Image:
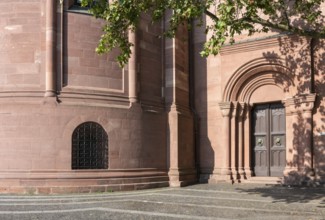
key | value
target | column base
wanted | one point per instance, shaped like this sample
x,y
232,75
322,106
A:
x,y
220,179
248,173
292,176
309,177
241,174
50,93
182,177
221,175
309,172
50,100
235,175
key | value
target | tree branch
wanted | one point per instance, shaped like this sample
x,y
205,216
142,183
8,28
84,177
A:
x,y
285,28
284,10
211,15
287,19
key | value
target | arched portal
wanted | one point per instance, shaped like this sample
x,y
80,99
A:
x,y
260,82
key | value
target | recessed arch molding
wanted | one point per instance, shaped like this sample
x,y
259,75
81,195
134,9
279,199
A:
x,y
257,73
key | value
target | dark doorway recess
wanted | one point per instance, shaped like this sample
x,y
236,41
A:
x,y
268,130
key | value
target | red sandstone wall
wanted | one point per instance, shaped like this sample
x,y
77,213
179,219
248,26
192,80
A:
x,y
150,62
36,134
22,45
85,67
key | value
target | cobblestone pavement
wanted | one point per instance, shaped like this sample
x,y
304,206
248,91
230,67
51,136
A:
x,y
202,201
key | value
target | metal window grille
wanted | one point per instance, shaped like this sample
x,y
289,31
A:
x,y
89,147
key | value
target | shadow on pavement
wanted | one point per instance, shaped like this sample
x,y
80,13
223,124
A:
x,y
289,194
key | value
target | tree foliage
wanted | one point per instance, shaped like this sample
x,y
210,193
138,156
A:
x,y
228,19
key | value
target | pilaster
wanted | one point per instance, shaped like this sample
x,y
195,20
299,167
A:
x,y
223,173
307,142
299,154
181,144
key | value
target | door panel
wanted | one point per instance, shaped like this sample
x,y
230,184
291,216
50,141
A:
x,y
277,144
268,139
260,140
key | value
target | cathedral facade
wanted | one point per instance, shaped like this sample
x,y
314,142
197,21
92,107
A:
x,y
74,121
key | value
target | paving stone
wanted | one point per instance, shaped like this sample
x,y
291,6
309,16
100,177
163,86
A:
x,y
202,201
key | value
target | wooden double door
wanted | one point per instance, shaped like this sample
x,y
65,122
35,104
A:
x,y
268,129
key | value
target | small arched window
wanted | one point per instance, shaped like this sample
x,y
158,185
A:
x,y
89,147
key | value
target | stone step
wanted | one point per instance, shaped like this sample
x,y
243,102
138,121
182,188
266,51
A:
x,y
83,185
52,189
102,188
265,180
33,182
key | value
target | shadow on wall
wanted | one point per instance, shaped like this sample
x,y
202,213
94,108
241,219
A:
x,y
319,111
199,102
305,60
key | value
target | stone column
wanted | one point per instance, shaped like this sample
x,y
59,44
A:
x,y
50,41
233,138
133,93
247,141
241,146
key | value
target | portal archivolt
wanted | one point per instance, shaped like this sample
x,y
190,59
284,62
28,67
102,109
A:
x,y
256,75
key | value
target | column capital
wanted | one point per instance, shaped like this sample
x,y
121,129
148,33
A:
x,y
225,108
235,109
241,109
307,106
